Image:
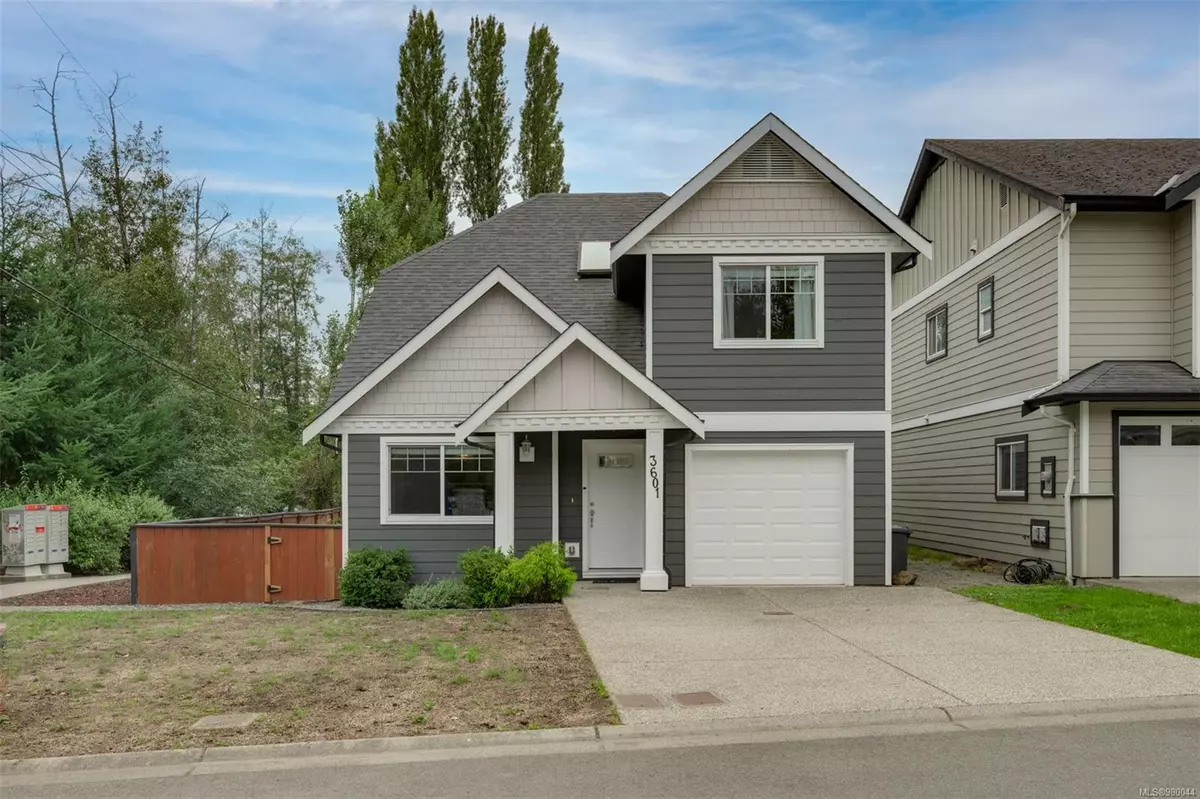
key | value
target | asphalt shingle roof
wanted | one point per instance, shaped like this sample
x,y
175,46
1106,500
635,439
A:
x,y
537,242
1123,380
1083,167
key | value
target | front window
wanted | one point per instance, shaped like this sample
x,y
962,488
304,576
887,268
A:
x,y
769,304
1012,468
985,303
936,333
441,481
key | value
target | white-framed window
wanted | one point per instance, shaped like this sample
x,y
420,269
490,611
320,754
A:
x,y
936,333
763,302
985,309
424,482
1012,468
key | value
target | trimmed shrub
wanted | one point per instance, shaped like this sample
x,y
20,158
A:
x,y
540,575
99,521
442,595
376,578
481,570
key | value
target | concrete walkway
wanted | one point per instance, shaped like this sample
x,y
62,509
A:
x,y
779,652
1185,589
10,590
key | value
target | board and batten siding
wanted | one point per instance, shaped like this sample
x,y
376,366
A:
x,y
959,208
1182,348
944,483
434,549
1022,353
464,364
869,493
1122,285
847,374
577,380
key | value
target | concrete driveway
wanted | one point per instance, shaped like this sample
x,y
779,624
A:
x,y
767,652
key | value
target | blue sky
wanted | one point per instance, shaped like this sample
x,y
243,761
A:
x,y
275,102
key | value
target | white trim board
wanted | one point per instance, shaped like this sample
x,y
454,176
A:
x,y
721,261
497,277
533,421
577,333
848,449
791,244
798,422
773,124
1063,279
1195,198
974,409
978,260
554,486
648,324
393,425
345,497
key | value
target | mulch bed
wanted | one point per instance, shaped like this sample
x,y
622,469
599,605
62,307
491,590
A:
x,y
111,593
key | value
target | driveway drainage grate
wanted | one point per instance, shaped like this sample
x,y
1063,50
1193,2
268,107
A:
x,y
697,698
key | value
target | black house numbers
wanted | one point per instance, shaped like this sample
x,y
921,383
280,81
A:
x,y
654,474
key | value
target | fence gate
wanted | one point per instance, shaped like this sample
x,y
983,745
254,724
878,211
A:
x,y
303,562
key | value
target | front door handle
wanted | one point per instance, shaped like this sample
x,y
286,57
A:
x,y
591,515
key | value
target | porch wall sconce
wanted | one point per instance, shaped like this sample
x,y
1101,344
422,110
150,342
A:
x,y
526,454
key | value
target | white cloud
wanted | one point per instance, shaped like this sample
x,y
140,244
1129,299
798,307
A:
x,y
243,184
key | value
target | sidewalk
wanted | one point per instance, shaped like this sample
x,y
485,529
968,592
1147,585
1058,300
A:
x,y
12,590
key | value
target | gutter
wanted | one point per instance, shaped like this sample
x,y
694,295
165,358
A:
x,y
1069,530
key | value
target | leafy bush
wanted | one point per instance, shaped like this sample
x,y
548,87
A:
x,y
541,575
375,578
99,521
481,570
442,595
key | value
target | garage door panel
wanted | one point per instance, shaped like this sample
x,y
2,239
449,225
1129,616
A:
x,y
1159,501
766,517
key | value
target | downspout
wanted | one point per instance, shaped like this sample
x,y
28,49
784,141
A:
x,y
1069,532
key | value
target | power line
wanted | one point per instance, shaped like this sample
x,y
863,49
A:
x,y
32,173
150,356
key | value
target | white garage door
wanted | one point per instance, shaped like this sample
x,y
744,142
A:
x,y
773,515
1160,497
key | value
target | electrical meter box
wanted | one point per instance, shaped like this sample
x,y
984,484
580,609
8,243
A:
x,y
23,534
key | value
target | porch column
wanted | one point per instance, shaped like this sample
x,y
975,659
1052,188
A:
x,y
503,524
653,576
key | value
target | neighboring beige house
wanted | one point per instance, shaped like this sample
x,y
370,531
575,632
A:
x,y
1044,376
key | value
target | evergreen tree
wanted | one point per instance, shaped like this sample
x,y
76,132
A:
x,y
540,149
420,140
485,127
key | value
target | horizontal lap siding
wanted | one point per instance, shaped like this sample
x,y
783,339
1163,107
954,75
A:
x,y
1021,355
846,374
1122,282
943,487
1182,349
869,510
434,548
532,489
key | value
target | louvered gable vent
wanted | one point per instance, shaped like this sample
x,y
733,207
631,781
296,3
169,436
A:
x,y
770,159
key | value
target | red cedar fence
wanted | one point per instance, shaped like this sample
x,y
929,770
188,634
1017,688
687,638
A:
x,y
257,559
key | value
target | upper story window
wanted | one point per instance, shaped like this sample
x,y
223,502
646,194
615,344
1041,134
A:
x,y
985,309
437,483
936,333
773,302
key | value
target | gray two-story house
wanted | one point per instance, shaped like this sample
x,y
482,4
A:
x,y
1047,390
687,390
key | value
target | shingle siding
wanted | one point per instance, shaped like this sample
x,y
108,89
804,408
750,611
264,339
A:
x,y
846,374
869,507
434,549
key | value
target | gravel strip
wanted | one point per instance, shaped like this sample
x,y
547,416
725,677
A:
x,y
114,592
937,574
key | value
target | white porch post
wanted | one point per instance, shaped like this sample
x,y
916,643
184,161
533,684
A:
x,y
504,524
653,576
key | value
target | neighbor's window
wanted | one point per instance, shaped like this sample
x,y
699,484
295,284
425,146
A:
x,y
936,333
441,481
768,305
1012,468
986,309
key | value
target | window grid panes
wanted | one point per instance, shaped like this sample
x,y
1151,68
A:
x,y
986,311
769,303
442,481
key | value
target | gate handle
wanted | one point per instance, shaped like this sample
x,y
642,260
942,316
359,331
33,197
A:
x,y
271,539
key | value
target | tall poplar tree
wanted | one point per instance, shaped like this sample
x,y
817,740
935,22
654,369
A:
x,y
420,140
540,148
485,127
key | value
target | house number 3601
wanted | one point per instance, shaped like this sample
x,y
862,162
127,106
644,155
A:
x,y
654,474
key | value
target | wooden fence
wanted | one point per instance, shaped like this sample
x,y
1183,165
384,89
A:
x,y
198,562
324,516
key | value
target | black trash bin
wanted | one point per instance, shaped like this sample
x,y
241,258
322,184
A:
x,y
899,548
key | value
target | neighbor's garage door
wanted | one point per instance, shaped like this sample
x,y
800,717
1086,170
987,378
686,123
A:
x,y
768,516
1159,533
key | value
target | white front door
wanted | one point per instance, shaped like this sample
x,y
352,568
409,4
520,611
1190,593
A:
x,y
614,505
1160,497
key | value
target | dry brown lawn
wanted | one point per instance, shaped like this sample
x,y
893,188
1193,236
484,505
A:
x,y
116,681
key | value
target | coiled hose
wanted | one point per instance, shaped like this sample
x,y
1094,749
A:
x,y
1029,571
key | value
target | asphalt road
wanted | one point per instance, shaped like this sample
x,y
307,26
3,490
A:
x,y
1092,760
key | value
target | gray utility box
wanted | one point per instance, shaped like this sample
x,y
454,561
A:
x,y
33,542
56,540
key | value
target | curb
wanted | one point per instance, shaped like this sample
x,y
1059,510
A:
x,y
598,739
